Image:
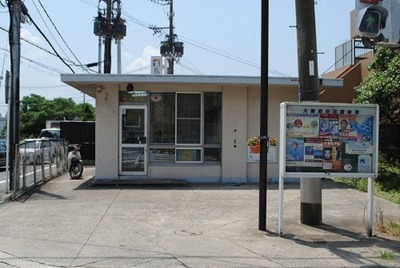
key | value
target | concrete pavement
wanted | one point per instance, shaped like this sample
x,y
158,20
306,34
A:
x,y
70,223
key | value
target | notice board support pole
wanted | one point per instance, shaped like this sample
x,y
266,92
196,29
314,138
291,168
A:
x,y
370,220
280,205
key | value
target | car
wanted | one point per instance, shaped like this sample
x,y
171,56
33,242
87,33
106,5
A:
x,y
37,150
3,153
51,133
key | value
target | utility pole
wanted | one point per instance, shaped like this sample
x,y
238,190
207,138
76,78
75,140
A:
x,y
170,49
263,116
108,39
16,7
310,188
110,25
171,39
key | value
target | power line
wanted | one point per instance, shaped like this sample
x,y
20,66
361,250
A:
x,y
48,28
52,69
48,41
60,35
203,46
47,51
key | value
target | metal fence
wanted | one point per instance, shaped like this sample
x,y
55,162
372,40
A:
x,y
347,53
37,161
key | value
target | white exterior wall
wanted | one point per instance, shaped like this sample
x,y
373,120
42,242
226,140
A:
x,y
107,136
234,134
194,173
275,97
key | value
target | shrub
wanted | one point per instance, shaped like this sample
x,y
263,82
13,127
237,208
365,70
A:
x,y
389,174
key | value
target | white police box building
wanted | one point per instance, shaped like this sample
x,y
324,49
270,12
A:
x,y
191,128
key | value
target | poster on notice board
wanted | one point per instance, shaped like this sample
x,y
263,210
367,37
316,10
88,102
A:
x,y
329,140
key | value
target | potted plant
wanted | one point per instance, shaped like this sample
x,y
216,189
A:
x,y
273,141
254,145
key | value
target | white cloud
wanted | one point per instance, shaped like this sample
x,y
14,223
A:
x,y
28,50
143,61
26,34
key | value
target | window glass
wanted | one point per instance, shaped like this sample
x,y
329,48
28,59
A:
x,y
162,118
133,97
188,155
132,159
212,127
189,105
133,126
212,154
185,119
188,128
162,154
188,131
212,118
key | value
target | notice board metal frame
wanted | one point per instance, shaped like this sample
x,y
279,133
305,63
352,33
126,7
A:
x,y
328,140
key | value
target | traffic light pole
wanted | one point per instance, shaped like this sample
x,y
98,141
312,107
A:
x,y
310,188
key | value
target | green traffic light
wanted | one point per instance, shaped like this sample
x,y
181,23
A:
x,y
370,22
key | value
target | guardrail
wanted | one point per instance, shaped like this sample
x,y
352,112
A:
x,y
38,161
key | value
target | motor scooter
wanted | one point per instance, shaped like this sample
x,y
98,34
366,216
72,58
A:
x,y
75,165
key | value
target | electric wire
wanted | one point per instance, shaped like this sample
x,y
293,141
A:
x,y
88,3
37,46
42,65
2,68
48,41
48,28
160,32
62,38
191,66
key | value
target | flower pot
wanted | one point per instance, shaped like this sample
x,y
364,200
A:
x,y
255,149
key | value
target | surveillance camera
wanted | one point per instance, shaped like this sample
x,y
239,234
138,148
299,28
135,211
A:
x,y
129,87
99,89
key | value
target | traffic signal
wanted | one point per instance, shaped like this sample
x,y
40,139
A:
x,y
370,18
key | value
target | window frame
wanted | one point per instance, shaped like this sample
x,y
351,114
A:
x,y
201,119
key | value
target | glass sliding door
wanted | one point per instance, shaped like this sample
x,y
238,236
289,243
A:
x,y
133,140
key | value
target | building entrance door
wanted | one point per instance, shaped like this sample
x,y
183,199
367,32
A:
x,y
133,140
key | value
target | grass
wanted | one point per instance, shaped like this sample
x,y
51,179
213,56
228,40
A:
x,y
362,184
382,226
392,195
387,255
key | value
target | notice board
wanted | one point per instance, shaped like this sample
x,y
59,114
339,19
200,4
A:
x,y
328,140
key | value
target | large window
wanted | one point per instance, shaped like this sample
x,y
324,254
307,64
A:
x,y
188,118
162,118
185,127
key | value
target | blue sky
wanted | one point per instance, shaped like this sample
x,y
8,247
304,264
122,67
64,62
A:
x,y
221,37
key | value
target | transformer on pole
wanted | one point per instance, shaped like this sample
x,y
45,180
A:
x,y
171,49
109,25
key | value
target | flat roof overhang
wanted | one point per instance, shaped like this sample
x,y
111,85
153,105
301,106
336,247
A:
x,y
88,83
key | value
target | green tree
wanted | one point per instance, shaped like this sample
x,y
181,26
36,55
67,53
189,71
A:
x,y
382,86
35,110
